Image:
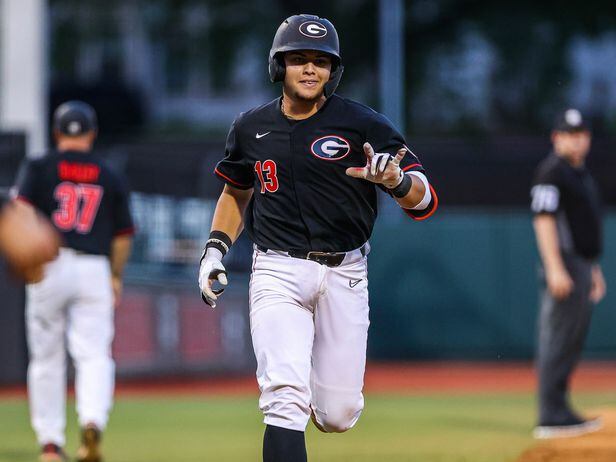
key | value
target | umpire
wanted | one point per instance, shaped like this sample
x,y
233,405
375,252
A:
x,y
568,228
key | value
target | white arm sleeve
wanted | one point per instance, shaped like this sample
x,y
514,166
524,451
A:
x,y
425,201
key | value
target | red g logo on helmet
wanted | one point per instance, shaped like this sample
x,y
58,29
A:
x,y
330,147
313,29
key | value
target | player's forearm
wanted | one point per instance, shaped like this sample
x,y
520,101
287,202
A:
x,y
547,241
229,213
415,195
120,251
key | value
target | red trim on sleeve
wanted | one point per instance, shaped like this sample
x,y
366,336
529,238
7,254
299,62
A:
x,y
24,199
408,167
410,212
225,177
125,232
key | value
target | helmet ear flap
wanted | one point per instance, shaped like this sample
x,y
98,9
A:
x,y
334,80
276,68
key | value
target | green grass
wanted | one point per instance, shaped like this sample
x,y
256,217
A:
x,y
434,428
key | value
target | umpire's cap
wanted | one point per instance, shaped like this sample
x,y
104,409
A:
x,y
74,118
306,32
571,120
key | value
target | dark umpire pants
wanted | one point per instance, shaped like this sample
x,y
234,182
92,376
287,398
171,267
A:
x,y
563,325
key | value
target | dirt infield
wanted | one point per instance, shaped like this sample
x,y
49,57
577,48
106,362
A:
x,y
471,377
594,447
432,377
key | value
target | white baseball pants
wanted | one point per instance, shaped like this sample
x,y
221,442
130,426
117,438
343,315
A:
x,y
71,308
309,326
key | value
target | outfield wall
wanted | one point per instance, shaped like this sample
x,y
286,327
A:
x,y
464,285
459,285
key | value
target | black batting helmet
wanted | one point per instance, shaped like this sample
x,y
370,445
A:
x,y
74,118
306,32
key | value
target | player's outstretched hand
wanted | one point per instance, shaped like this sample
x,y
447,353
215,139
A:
x,y
211,270
381,167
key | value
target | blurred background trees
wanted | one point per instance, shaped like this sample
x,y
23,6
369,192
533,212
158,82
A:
x,y
472,66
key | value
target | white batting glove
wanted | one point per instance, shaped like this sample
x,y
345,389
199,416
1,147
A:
x,y
211,270
381,167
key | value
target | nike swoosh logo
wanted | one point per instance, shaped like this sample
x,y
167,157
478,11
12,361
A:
x,y
354,282
261,135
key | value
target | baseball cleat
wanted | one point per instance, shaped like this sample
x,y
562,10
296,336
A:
x,y
544,432
51,452
89,451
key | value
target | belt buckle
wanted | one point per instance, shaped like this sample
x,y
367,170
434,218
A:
x,y
317,256
325,258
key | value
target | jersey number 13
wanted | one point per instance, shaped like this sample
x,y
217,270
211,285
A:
x,y
77,206
268,176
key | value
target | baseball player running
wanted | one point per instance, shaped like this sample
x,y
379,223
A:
x,y
74,303
300,174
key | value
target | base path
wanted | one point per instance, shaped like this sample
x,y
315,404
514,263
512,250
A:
x,y
599,446
402,378
477,377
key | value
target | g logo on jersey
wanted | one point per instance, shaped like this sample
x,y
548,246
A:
x,y
313,29
330,147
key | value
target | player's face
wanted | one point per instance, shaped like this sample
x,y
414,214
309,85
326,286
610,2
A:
x,y
306,74
572,145
75,143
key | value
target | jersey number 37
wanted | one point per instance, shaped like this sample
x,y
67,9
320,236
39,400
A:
x,y
77,206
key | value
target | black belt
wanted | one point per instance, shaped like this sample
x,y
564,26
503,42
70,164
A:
x,y
331,259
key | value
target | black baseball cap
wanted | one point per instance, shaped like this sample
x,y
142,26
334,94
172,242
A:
x,y
74,118
571,120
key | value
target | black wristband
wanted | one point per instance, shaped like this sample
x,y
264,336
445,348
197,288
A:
x,y
220,241
403,188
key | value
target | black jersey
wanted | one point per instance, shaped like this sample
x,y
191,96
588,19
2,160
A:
x,y
84,199
303,199
572,196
